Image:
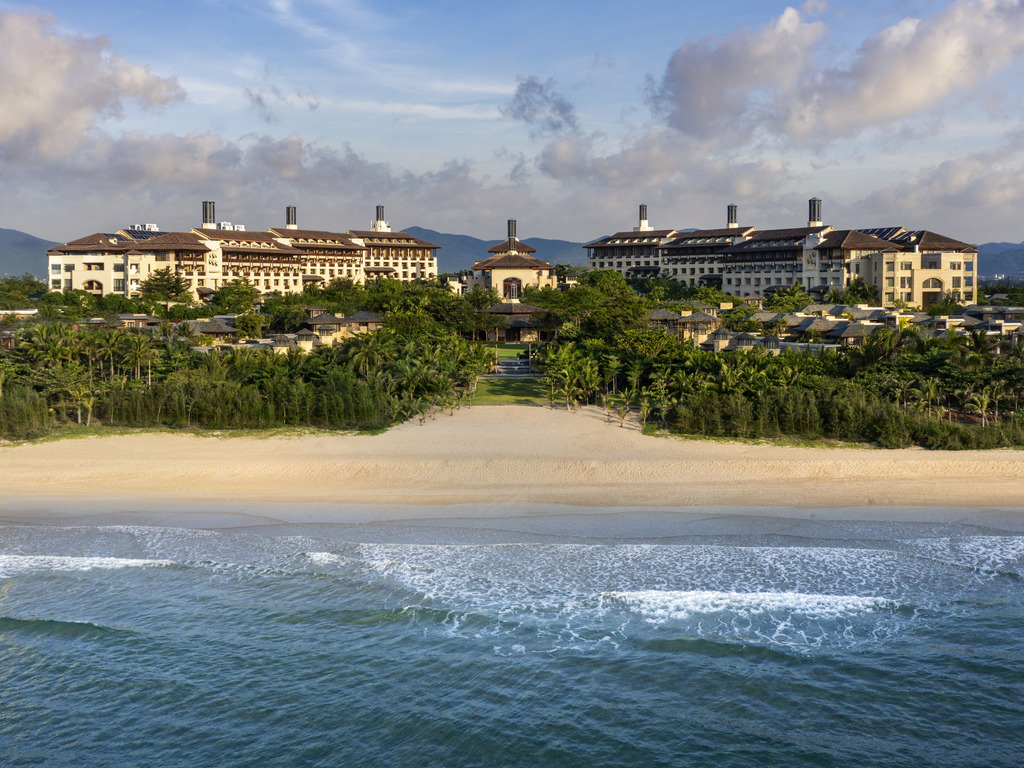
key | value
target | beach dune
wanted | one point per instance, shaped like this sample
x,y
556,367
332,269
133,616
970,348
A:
x,y
499,455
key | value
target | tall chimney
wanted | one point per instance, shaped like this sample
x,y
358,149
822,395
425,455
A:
x,y
732,218
511,232
814,212
290,221
209,219
380,225
643,226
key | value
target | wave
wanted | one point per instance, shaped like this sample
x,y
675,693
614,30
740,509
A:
x,y
60,628
15,565
657,607
985,555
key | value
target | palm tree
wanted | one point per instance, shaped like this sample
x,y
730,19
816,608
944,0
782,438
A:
x,y
980,403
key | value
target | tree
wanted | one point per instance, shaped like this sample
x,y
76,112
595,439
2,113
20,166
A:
x,y
238,296
250,325
165,284
789,299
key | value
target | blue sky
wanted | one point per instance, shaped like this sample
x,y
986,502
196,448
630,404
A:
x,y
457,115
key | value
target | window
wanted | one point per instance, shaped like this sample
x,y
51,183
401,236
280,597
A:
x,y
906,282
119,267
55,268
69,267
511,288
890,282
956,281
968,282
890,297
968,266
67,285
55,284
890,266
119,284
906,266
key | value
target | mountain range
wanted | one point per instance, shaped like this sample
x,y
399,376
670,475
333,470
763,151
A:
x,y
460,252
21,253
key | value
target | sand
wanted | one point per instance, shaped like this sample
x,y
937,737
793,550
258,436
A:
x,y
484,459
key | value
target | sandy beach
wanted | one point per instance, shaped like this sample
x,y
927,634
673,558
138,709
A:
x,y
489,457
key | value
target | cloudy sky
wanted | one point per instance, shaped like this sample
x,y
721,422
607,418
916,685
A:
x,y
457,115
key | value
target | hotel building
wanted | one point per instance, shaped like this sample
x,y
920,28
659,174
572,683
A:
x,y
214,254
919,268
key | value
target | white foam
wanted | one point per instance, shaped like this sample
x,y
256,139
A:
x,y
986,554
657,607
323,558
13,565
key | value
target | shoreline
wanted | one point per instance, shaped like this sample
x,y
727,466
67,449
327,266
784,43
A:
x,y
488,458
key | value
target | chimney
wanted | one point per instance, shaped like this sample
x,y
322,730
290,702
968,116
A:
x,y
290,221
511,233
380,225
814,212
732,219
643,226
209,219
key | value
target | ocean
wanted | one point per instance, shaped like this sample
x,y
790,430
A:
x,y
405,645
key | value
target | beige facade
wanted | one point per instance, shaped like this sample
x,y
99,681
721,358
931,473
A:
x,y
511,269
213,255
924,271
631,254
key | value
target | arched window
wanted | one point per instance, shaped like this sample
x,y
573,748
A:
x,y
932,284
93,285
512,287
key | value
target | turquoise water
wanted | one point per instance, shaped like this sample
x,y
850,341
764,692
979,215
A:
x,y
128,646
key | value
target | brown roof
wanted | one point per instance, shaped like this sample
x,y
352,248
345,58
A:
x,y
851,239
705,233
94,242
275,249
791,236
394,238
240,236
654,234
512,261
931,241
505,247
175,241
336,239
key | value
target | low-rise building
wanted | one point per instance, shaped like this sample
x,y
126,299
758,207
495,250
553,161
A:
x,y
511,269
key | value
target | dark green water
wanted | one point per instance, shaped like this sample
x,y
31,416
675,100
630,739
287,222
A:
x,y
171,647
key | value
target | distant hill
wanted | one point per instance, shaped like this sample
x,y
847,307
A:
x,y
460,252
1001,259
21,253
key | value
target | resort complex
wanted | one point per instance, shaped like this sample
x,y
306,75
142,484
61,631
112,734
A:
x,y
283,259
917,268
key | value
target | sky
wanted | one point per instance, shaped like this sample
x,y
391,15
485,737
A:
x,y
458,115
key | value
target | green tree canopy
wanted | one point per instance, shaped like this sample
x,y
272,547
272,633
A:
x,y
165,284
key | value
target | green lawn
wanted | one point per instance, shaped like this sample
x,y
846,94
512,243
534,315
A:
x,y
510,392
509,351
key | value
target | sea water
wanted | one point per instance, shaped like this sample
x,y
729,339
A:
x,y
146,646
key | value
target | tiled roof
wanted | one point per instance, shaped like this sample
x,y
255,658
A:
x,y
930,241
512,261
506,247
363,316
392,238
852,239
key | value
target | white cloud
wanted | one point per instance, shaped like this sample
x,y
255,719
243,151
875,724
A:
x,y
770,79
907,69
55,89
713,86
